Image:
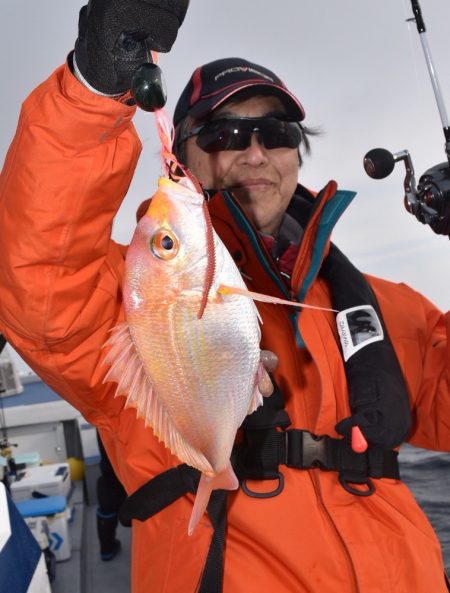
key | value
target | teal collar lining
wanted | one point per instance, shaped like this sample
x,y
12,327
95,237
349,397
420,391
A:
x,y
245,226
328,219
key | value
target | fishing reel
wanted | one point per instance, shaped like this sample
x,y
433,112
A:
x,y
6,447
429,201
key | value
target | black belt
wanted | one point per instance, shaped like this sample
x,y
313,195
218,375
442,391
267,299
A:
x,y
263,451
259,457
166,488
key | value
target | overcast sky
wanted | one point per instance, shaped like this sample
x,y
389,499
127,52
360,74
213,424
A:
x,y
356,65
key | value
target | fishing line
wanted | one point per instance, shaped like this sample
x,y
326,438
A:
x,y
412,45
429,202
430,65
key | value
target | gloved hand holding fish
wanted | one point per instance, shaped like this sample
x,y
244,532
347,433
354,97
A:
x,y
188,356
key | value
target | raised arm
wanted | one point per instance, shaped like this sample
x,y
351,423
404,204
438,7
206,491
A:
x,y
66,173
431,428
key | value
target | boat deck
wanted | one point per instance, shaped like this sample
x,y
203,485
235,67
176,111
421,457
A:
x,y
85,572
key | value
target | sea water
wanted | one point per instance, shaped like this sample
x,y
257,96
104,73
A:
x,y
427,474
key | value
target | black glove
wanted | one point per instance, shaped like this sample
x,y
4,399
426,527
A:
x,y
115,37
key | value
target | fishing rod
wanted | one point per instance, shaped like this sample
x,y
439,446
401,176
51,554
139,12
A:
x,y
429,202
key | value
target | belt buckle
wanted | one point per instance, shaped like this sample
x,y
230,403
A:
x,y
314,450
278,488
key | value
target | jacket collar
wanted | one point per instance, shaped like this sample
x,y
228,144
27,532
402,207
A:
x,y
317,215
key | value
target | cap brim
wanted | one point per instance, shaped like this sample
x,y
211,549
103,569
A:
x,y
208,104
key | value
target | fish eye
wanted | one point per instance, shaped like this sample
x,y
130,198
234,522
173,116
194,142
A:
x,y
164,244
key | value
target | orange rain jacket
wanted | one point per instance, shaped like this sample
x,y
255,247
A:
x,y
65,176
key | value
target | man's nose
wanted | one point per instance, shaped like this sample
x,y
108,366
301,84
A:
x,y
256,153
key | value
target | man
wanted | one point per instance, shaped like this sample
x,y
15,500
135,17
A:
x,y
312,514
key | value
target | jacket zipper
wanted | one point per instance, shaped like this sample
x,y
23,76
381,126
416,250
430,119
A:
x,y
351,566
257,244
277,278
273,273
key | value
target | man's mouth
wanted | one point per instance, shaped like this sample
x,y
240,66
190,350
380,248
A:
x,y
250,183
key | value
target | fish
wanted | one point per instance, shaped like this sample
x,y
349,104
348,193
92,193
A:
x,y
187,357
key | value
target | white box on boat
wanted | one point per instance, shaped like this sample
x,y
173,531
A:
x,y
47,480
47,519
39,528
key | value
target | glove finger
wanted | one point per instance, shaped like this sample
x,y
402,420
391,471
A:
x,y
146,21
265,384
176,7
162,30
269,360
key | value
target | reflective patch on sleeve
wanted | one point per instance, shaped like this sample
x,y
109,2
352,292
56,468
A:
x,y
358,327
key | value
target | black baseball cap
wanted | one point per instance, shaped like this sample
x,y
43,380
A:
x,y
212,84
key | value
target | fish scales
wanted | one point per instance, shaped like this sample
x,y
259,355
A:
x,y
201,374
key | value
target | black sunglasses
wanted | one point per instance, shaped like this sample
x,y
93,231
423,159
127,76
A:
x,y
235,133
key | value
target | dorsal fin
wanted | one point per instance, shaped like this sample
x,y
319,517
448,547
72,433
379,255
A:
x,y
211,260
133,382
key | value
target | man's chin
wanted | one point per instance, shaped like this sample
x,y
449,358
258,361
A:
x,y
252,193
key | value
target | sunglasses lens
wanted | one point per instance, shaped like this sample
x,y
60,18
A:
x,y
223,135
280,134
236,133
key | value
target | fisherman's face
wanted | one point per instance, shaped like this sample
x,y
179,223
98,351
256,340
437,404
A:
x,y
263,180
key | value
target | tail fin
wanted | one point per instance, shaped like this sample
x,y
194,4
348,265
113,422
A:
x,y
226,480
